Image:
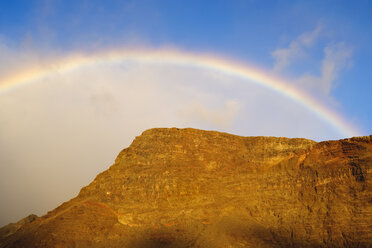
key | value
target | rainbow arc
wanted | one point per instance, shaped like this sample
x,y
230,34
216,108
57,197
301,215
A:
x,y
176,57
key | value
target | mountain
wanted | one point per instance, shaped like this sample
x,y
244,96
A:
x,y
193,188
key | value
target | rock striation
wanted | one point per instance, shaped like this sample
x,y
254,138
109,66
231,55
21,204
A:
x,y
193,188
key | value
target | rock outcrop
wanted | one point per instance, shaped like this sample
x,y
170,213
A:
x,y
11,228
194,188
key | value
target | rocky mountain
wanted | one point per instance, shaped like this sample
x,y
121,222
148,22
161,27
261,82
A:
x,y
193,188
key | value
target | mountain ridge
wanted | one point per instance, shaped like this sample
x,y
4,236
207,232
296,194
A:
x,y
194,188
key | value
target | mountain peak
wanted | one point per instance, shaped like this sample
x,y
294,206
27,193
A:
x,y
192,188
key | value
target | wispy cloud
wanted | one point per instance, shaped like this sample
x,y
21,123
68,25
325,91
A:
x,y
336,57
296,49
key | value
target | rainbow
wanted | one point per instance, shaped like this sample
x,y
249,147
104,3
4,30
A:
x,y
176,57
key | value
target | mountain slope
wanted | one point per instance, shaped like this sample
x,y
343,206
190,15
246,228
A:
x,y
194,188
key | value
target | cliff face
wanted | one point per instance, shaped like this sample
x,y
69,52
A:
x,y
193,188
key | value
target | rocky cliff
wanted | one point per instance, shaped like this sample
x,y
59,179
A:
x,y
194,188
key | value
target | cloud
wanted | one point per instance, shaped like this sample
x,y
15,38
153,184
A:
x,y
15,58
296,49
336,57
215,116
71,126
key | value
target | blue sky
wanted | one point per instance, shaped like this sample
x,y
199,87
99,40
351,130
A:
x,y
50,129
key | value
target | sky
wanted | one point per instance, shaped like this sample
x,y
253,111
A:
x,y
62,127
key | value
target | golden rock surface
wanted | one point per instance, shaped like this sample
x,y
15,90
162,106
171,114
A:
x,y
193,188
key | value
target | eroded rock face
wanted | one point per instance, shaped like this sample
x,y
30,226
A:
x,y
193,188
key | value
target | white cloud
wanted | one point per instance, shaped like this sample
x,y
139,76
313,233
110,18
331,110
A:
x,y
336,57
223,117
71,126
296,49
